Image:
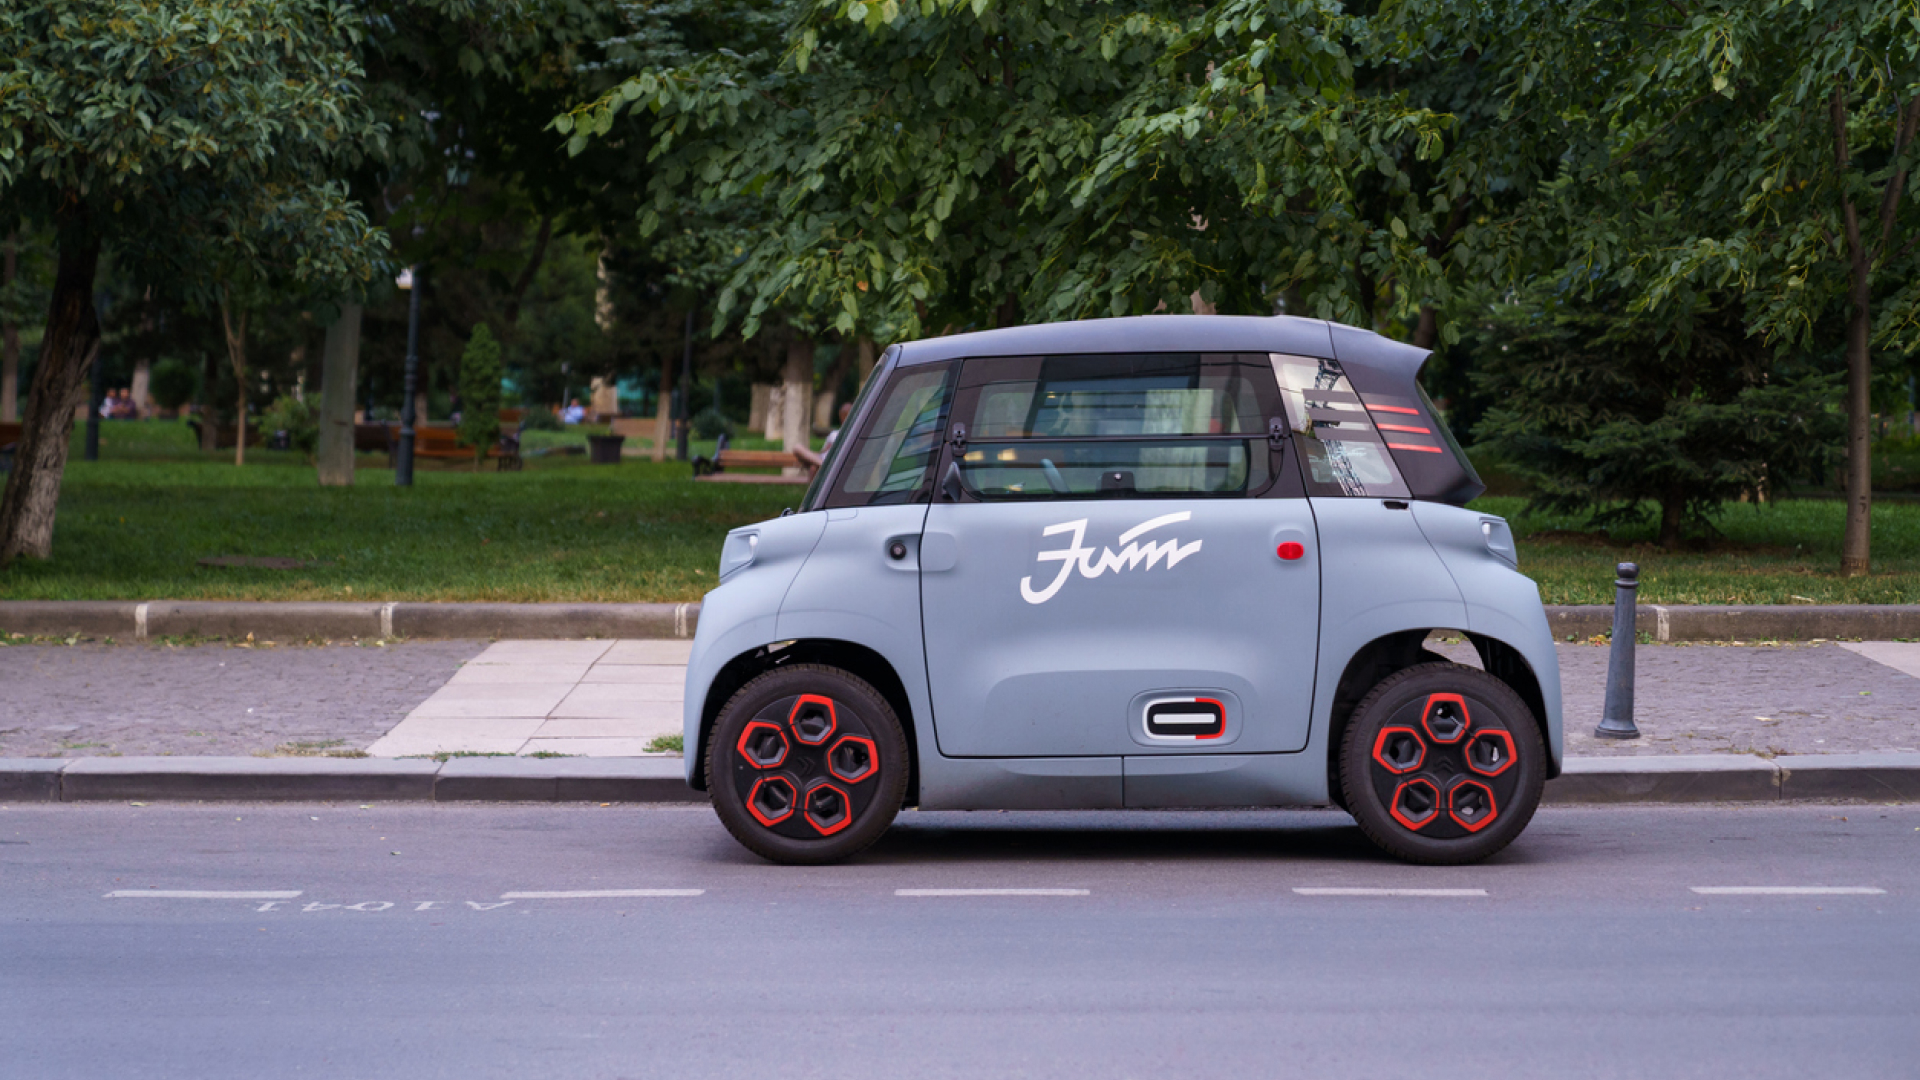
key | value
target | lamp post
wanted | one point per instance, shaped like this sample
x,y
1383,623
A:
x,y
409,280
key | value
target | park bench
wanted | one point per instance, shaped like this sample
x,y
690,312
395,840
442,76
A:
x,y
444,442
725,459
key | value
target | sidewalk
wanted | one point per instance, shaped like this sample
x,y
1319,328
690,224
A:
x,y
1717,721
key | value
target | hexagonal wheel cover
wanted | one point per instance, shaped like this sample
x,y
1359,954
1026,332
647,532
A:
x,y
1490,751
1470,804
764,745
812,719
1415,804
1445,718
772,800
853,759
828,809
1399,749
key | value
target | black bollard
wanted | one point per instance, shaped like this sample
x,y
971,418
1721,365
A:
x,y
1616,719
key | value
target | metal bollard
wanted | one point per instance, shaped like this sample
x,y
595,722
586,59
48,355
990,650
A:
x,y
1616,719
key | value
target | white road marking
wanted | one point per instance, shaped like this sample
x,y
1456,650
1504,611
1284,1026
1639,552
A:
x,y
992,892
598,894
1788,890
1343,890
205,894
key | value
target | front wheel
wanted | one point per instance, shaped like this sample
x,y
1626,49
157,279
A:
x,y
1442,764
807,764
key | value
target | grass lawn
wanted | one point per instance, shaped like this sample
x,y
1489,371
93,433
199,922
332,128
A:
x,y
135,524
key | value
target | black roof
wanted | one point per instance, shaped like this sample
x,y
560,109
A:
x,y
1181,333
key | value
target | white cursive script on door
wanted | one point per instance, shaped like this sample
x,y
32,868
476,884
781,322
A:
x,y
1132,555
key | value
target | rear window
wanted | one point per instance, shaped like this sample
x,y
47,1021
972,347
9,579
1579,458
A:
x,y
1343,453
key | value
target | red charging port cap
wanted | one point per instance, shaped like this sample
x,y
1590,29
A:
x,y
1292,550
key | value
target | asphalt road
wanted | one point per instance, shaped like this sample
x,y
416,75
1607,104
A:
x,y
412,943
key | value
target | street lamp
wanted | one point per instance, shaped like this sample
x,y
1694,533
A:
x,y
403,459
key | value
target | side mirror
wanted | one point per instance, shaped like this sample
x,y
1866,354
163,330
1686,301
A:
x,y
950,486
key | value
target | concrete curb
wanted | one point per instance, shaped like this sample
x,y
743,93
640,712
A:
x,y
208,779
1759,622
1698,778
130,620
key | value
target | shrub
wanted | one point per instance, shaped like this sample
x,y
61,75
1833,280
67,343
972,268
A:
x,y
480,392
711,423
540,419
298,419
172,384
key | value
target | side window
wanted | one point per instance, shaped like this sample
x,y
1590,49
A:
x,y
890,461
1116,426
1343,453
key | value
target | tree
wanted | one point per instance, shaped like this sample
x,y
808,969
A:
x,y
1773,144
480,393
175,133
1603,408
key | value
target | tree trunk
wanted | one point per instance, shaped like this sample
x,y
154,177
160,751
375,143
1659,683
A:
x,y
209,385
70,347
867,361
1670,510
339,375
236,332
663,415
10,341
1427,330
796,379
1855,546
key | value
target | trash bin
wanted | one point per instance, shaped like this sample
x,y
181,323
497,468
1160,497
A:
x,y
604,449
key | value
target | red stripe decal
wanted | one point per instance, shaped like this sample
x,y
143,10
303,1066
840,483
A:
x,y
1393,409
1407,446
1406,428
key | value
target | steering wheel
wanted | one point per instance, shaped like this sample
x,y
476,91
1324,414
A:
x,y
1054,480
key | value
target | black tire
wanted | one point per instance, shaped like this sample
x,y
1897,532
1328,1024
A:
x,y
1481,787
858,768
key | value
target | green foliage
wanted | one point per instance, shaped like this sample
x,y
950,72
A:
x,y
480,392
1603,411
540,418
172,383
711,423
298,418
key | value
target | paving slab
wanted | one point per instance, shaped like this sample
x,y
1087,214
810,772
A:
x,y
674,675
486,674
519,699
649,652
543,652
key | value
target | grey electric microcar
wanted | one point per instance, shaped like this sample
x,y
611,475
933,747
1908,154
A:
x,y
1170,561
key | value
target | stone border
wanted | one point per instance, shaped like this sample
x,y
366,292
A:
x,y
132,620
1700,778
128,620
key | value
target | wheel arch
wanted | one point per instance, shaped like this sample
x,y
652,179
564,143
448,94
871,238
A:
x,y
1403,649
855,659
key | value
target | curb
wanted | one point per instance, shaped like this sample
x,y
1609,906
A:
x,y
132,620
1759,622
1695,778
209,779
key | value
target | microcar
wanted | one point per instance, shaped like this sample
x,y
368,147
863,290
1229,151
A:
x,y
1167,561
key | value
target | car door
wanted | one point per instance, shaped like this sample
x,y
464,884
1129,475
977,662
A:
x,y
1119,561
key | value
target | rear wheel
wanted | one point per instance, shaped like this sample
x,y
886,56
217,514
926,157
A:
x,y
807,764
1442,763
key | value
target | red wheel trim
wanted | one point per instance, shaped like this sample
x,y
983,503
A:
x,y
846,816
755,810
873,759
1426,714
1393,807
833,721
1491,733
1380,748
1493,811
741,746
